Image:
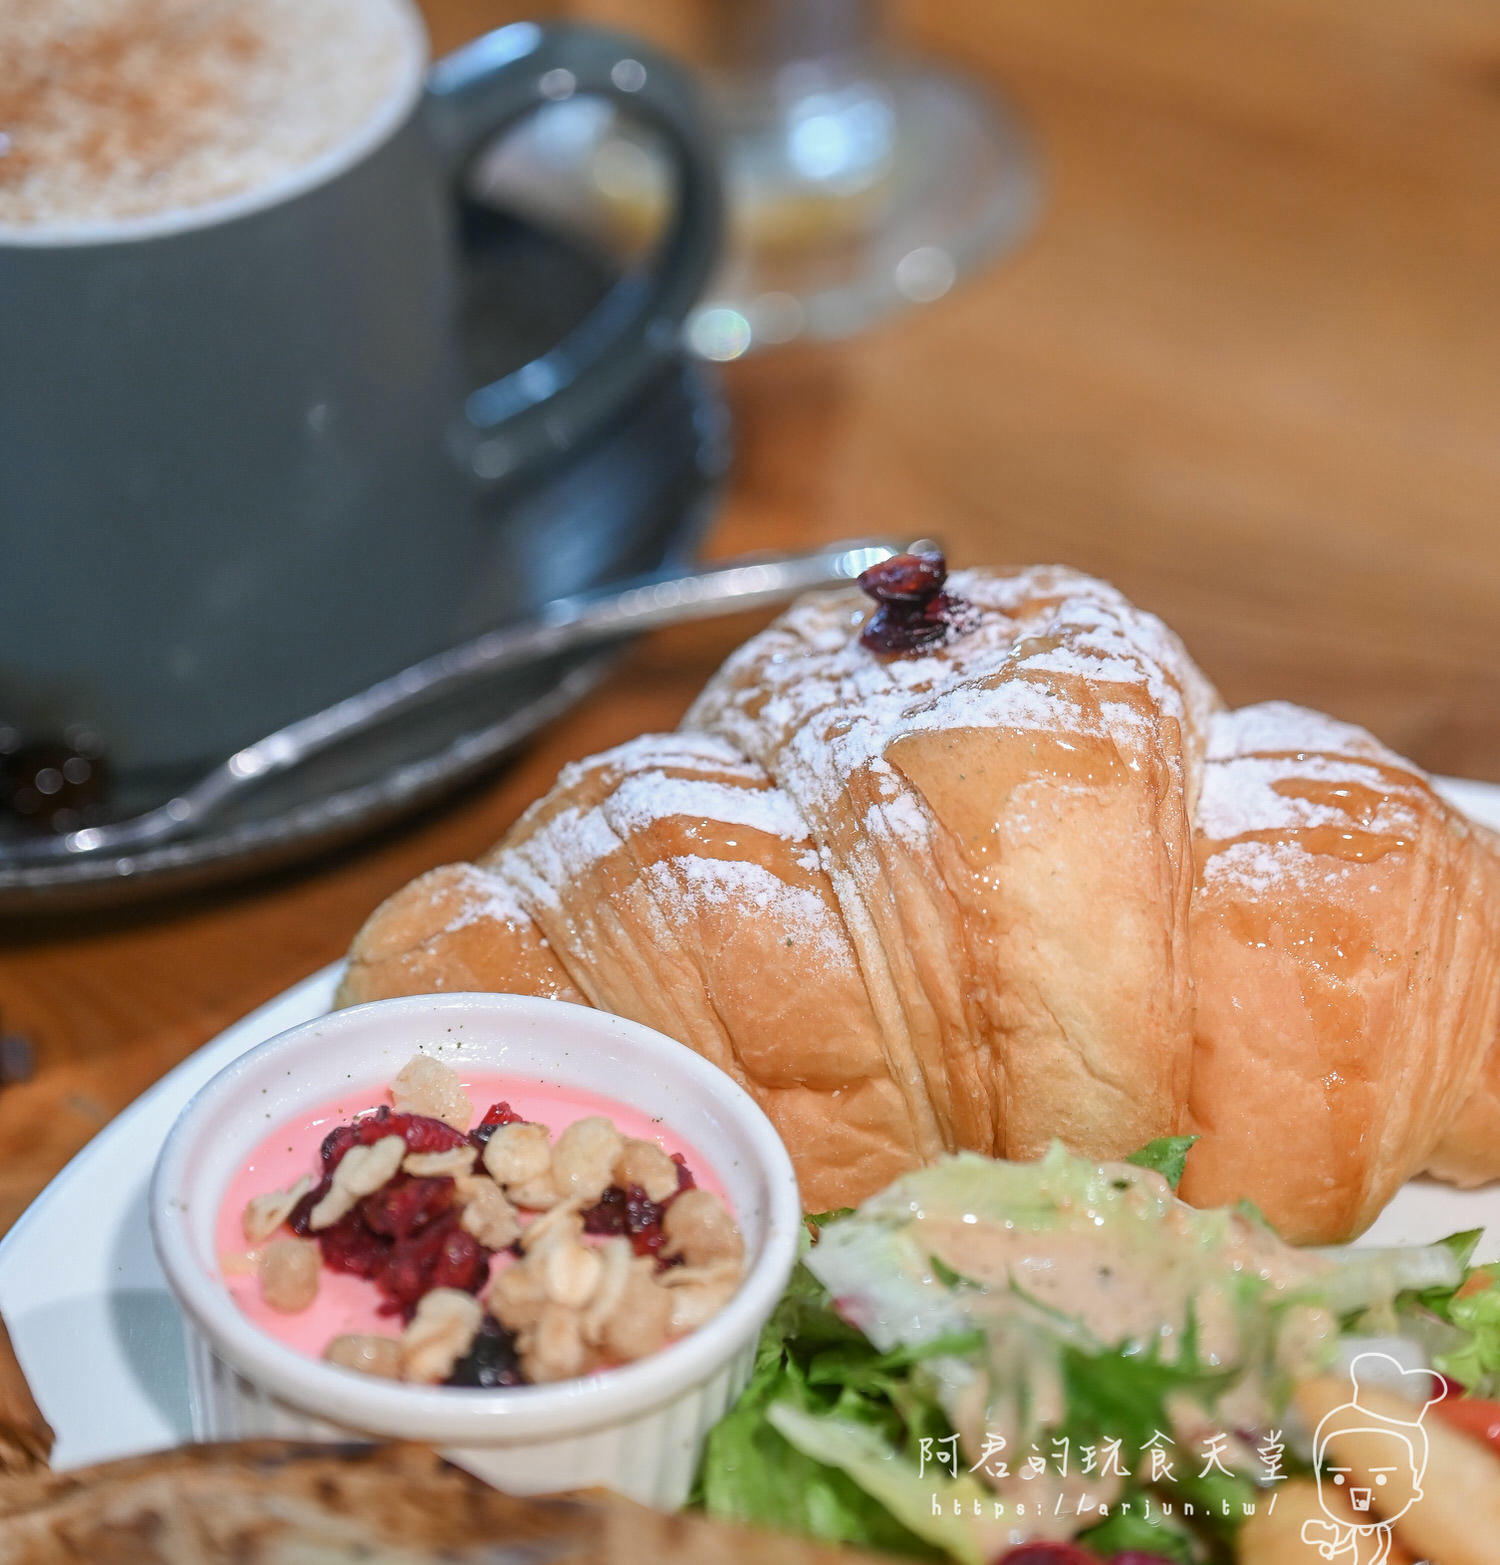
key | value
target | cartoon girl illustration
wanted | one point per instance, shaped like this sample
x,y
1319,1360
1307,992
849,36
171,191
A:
x,y
1394,1461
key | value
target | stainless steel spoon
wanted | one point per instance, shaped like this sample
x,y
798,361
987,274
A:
x,y
563,625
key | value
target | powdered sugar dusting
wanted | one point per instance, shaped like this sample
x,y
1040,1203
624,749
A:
x,y
688,884
649,796
1049,651
549,861
488,898
1262,869
696,752
692,778
1285,788
1254,793
1279,767
778,736
1066,679
1279,726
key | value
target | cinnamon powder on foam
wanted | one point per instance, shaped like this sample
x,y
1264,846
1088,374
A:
x,y
114,109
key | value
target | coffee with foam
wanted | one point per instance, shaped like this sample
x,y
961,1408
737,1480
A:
x,y
120,110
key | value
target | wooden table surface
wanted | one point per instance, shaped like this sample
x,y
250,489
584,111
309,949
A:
x,y
1249,369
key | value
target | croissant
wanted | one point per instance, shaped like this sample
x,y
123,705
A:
x,y
993,866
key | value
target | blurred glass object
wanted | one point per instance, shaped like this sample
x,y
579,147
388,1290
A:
x,y
861,180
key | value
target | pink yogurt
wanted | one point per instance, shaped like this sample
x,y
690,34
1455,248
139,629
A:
x,y
346,1303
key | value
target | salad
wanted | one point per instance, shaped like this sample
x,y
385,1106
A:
x,y
1062,1362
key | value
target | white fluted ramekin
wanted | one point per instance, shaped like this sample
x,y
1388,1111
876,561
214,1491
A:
x,y
638,1429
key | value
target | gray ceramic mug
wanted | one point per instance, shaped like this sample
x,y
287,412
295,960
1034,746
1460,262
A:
x,y
237,458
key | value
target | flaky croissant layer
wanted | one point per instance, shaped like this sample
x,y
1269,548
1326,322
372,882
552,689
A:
x,y
1030,883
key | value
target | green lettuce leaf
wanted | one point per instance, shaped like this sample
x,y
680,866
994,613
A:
x,y
751,1472
1167,1156
827,1438
1475,1312
924,1503
1124,1395
832,1215
1463,1245
1371,1279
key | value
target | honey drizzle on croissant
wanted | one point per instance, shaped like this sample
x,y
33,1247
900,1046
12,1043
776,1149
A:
x,y
1033,883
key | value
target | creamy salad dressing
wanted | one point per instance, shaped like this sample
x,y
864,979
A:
x,y
1064,1253
1140,1282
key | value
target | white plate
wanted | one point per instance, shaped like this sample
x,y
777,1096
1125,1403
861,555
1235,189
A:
x,y
100,1339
